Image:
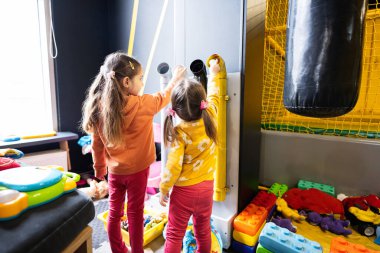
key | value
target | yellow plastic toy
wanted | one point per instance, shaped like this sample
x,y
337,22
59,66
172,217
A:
x,y
151,231
41,135
287,212
220,173
27,187
248,240
366,216
12,203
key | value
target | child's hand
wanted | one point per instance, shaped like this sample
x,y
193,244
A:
x,y
164,199
214,66
100,176
179,73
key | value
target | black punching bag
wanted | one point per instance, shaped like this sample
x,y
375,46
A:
x,y
324,42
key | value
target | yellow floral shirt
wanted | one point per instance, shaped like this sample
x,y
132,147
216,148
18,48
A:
x,y
192,157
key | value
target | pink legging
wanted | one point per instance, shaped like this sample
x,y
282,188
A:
x,y
185,201
135,186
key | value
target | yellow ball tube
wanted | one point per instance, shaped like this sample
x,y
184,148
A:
x,y
220,79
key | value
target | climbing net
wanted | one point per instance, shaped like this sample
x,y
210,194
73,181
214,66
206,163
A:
x,y
363,121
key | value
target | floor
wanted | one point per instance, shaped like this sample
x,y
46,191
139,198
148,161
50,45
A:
x,y
100,242
99,237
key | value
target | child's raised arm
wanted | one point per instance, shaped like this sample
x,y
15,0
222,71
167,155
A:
x,y
160,99
213,89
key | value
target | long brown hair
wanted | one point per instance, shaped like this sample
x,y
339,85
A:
x,y
186,103
106,97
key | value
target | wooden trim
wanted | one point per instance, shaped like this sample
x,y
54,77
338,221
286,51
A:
x,y
82,243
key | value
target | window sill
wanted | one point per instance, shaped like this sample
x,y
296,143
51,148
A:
x,y
60,137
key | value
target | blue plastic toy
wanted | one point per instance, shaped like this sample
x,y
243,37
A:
x,y
11,138
84,140
242,248
277,239
189,244
377,240
11,153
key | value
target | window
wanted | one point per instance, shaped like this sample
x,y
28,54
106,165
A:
x,y
26,79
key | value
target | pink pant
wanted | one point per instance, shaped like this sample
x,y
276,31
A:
x,y
135,186
185,201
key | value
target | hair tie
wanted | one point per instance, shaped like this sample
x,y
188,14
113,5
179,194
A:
x,y
111,74
102,70
204,105
170,112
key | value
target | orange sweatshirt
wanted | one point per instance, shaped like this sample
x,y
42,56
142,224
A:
x,y
138,151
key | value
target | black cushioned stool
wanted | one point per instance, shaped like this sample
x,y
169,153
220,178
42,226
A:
x,y
58,226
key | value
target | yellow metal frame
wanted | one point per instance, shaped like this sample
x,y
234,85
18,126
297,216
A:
x,y
133,27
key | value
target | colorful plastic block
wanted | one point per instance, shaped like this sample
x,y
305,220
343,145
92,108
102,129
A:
x,y
377,240
247,239
278,189
264,199
340,245
277,239
261,249
304,185
242,248
250,220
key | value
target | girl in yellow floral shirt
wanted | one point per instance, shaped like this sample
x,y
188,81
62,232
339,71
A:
x,y
191,161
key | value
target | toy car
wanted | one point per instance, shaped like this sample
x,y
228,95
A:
x,y
363,213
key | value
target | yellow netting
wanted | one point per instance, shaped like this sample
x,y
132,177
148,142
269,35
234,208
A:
x,y
362,121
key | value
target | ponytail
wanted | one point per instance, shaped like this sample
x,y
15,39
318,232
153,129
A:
x,y
209,125
169,132
112,104
106,98
90,108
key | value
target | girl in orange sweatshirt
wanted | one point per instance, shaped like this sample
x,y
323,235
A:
x,y
121,124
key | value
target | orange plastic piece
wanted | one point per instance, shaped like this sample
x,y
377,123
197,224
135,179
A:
x,y
247,239
250,220
13,208
340,245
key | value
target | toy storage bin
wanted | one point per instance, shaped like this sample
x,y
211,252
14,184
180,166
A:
x,y
149,234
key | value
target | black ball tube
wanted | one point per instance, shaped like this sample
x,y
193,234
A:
x,y
200,73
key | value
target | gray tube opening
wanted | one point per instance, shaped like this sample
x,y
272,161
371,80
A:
x,y
163,68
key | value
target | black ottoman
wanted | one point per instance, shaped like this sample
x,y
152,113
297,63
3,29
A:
x,y
48,228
